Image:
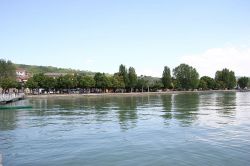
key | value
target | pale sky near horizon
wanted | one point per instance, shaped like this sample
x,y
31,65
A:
x,y
100,35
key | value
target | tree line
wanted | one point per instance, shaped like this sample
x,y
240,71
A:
x,y
184,77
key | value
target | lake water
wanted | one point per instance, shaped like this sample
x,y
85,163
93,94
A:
x,y
156,130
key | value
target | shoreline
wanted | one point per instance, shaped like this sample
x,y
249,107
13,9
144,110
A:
x,y
124,94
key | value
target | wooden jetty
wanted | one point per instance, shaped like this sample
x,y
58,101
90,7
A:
x,y
8,98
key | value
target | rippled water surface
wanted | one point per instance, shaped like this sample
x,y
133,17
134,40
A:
x,y
179,129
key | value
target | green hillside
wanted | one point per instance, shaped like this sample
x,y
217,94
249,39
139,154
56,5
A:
x,y
50,69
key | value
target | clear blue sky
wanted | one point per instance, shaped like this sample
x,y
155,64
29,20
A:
x,y
100,35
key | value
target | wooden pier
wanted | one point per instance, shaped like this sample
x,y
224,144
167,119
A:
x,y
8,98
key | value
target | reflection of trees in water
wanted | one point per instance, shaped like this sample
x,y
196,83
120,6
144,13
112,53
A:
x,y
8,119
167,106
226,103
186,108
127,113
83,110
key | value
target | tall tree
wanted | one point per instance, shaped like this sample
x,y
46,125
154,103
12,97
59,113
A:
x,y
132,78
31,84
87,82
166,77
8,83
207,83
186,76
40,80
124,73
243,82
7,74
117,82
226,77
101,81
7,69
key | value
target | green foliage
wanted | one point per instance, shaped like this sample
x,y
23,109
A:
x,y
7,75
7,69
157,85
40,80
207,83
68,81
142,83
226,77
49,69
166,78
7,83
243,82
117,82
132,78
124,74
31,84
102,81
86,82
186,76
203,85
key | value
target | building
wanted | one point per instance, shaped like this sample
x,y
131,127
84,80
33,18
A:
x,y
21,72
22,75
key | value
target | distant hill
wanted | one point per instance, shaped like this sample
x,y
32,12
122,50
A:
x,y
33,69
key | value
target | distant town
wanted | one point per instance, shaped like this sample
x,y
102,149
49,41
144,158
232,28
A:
x,y
14,78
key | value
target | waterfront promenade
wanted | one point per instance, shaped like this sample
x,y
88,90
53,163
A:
x,y
7,98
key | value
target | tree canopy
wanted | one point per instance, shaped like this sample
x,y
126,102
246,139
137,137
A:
x,y
186,76
243,82
132,78
7,74
166,78
225,79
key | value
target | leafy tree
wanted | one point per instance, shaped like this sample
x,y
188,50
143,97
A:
x,y
186,76
124,74
227,77
7,69
141,83
7,83
243,82
210,82
31,84
49,83
157,85
102,81
40,80
69,81
203,85
59,83
166,78
132,78
7,75
117,82
87,82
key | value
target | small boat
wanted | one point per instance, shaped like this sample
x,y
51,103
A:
x,y
15,107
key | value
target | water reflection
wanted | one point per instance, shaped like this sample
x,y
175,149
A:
x,y
186,108
127,112
8,120
226,104
167,101
124,112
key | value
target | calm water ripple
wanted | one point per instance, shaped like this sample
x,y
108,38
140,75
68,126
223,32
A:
x,y
179,129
